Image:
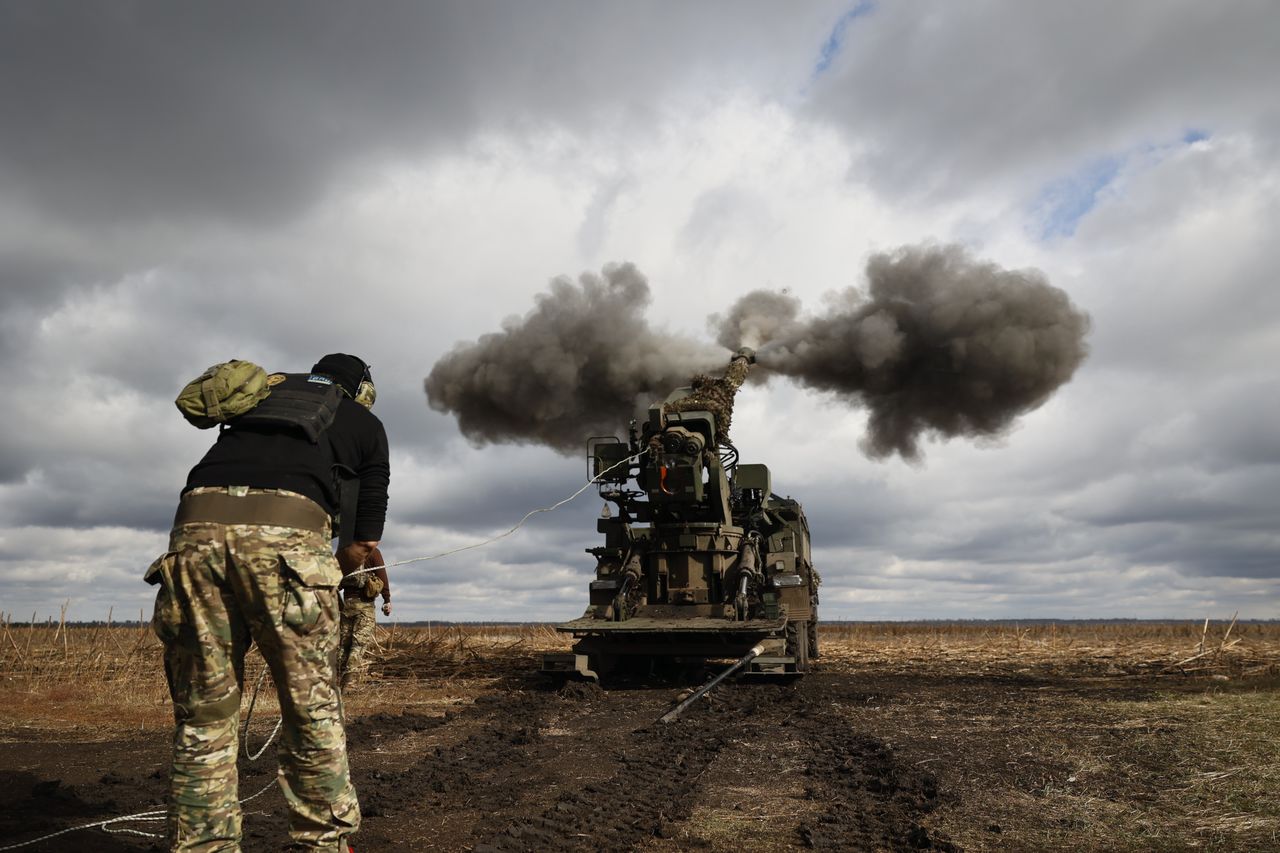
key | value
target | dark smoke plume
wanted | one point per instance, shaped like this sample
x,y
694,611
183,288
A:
x,y
581,362
941,345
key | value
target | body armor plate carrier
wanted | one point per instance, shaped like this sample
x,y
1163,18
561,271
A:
x,y
308,402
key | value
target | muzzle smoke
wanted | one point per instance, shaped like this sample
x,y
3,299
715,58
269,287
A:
x,y
939,344
581,362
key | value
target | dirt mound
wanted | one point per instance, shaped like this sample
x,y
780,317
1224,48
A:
x,y
580,691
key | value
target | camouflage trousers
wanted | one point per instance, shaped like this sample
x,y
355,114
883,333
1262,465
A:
x,y
221,587
358,622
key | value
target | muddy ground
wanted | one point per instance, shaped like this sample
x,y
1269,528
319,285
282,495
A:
x,y
856,756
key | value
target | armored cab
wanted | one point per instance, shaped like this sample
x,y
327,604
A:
x,y
700,558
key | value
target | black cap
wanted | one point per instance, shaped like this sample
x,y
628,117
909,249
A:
x,y
347,370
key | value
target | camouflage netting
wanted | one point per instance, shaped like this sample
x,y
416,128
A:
x,y
714,395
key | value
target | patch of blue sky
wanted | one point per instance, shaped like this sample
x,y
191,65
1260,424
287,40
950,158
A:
x,y
1063,203
835,41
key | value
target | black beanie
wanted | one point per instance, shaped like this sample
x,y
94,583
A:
x,y
347,370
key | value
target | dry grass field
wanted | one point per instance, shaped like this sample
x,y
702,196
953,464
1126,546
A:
x,y
968,736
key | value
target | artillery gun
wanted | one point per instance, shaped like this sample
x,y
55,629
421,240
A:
x,y
701,560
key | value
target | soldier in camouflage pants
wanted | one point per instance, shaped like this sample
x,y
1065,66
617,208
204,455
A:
x,y
222,586
359,592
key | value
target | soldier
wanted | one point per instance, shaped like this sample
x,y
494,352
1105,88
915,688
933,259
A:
x,y
249,560
359,592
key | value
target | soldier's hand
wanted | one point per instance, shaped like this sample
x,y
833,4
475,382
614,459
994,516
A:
x,y
353,556
386,608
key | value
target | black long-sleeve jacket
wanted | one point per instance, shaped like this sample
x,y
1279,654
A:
x,y
283,458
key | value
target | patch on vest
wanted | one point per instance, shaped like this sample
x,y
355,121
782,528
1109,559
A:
x,y
321,380
275,379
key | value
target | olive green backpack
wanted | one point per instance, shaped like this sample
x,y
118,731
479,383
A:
x,y
223,392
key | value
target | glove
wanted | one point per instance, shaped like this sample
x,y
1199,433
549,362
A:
x,y
386,608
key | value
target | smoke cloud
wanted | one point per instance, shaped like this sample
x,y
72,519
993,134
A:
x,y
580,363
939,344
758,317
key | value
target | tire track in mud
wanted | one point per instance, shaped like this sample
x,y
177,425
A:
x,y
872,801
866,798
661,769
590,770
480,772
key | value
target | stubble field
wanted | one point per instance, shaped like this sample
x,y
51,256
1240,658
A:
x,y
971,736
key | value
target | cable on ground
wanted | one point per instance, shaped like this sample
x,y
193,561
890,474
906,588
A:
x,y
154,815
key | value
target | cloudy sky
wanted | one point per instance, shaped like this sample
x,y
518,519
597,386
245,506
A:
x,y
183,184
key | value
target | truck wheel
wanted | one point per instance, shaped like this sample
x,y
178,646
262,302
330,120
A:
x,y
813,623
798,644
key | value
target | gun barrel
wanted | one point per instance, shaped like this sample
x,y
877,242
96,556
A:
x,y
716,395
736,373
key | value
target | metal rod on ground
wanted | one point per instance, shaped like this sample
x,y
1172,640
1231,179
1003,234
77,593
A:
x,y
704,689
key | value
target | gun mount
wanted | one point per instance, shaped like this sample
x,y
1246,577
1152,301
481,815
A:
x,y
701,559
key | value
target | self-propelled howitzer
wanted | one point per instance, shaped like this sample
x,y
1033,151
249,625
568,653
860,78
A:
x,y
700,559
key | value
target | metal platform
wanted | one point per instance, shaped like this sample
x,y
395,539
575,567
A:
x,y
691,625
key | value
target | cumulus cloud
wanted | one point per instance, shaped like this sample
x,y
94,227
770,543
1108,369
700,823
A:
x,y
946,98
240,113
178,188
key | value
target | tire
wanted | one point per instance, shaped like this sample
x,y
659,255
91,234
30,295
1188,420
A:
x,y
798,644
813,623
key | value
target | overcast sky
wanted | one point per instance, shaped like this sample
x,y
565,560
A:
x,y
181,184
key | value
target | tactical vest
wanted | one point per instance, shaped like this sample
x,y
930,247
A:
x,y
305,401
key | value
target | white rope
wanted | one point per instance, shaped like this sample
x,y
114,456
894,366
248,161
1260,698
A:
x,y
124,830
102,823
154,815
518,525
244,736
263,790
255,756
